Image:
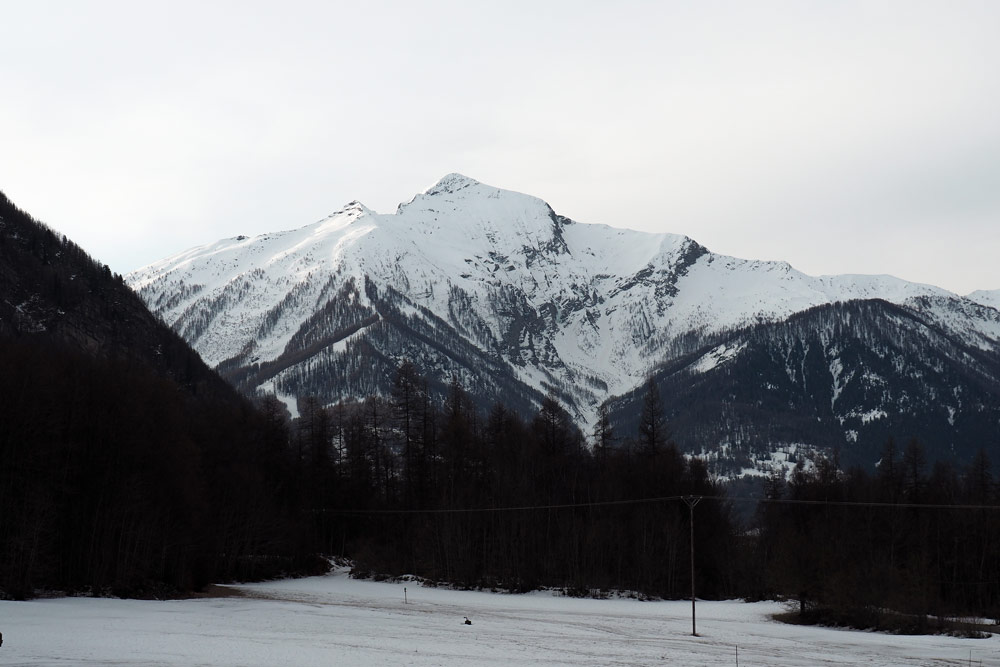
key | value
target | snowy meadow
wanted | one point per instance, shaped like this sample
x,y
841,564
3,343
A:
x,y
336,620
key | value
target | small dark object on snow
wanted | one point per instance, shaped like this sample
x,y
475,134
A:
x,y
467,621
1,639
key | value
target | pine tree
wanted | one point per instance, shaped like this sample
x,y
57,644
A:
x,y
406,405
913,464
653,433
604,437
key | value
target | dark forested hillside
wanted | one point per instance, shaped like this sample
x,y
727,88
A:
x,y
126,465
842,378
51,290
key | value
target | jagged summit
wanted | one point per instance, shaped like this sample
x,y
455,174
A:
x,y
354,207
451,183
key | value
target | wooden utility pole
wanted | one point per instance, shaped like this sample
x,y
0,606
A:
x,y
691,501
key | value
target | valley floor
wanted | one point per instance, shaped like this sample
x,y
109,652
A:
x,y
335,620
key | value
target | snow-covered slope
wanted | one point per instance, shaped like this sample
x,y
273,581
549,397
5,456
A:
x,y
989,298
587,308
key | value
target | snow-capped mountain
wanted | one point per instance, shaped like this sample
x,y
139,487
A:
x,y
497,288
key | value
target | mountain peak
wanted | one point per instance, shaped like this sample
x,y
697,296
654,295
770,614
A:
x,y
355,208
451,183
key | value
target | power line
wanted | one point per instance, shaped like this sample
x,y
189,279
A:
x,y
660,499
853,503
521,508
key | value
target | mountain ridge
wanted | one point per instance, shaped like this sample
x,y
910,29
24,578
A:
x,y
538,302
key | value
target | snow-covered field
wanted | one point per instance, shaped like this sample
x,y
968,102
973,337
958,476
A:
x,y
334,620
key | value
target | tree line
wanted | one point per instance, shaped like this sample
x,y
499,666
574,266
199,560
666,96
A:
x,y
495,500
114,480
897,549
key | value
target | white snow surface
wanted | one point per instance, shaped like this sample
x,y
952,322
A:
x,y
989,298
621,296
716,356
335,620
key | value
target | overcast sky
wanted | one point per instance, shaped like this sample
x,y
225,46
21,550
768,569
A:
x,y
842,137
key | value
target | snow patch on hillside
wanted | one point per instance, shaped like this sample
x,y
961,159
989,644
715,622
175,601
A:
x,y
717,356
